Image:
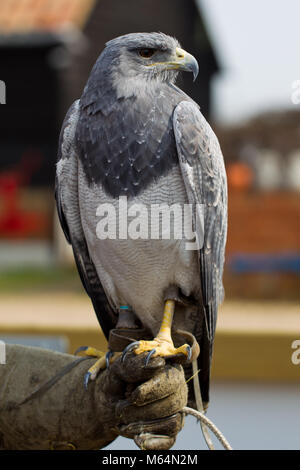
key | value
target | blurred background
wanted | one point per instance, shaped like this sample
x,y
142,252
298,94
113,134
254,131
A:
x,y
249,90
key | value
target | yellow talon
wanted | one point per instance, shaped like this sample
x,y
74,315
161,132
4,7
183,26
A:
x,y
90,351
162,343
162,348
95,368
100,364
103,360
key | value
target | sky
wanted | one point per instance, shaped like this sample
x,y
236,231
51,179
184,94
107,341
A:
x,y
258,46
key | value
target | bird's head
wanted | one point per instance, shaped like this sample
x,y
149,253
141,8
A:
x,y
146,57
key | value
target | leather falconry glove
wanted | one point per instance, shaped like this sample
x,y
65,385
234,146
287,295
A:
x,y
44,405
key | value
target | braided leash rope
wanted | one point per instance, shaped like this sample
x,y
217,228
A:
x,y
200,414
201,417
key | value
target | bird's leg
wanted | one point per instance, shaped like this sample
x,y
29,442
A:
x,y
127,319
162,344
103,361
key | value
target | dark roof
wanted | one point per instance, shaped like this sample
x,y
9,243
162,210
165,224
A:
x,y
34,22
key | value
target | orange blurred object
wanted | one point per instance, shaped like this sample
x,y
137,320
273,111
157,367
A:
x,y
240,176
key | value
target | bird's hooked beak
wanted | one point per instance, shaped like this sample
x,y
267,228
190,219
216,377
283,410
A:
x,y
181,61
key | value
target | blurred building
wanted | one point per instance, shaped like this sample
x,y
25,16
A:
x,y
263,168
47,50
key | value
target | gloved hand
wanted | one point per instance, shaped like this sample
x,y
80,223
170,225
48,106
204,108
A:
x,y
145,401
43,406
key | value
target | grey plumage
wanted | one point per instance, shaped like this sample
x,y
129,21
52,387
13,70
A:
x,y
134,133
204,175
125,129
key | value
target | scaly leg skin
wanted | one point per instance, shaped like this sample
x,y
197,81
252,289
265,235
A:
x,y
162,345
103,361
126,319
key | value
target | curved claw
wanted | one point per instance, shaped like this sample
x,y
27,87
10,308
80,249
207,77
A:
x,y
81,348
189,352
149,355
86,379
108,355
129,348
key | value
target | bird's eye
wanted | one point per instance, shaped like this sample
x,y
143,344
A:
x,y
146,53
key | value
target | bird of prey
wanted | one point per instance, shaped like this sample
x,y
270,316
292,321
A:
x,y
135,134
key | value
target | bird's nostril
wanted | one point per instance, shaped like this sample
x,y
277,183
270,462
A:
x,y
180,53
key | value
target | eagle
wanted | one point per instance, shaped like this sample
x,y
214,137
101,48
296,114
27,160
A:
x,y
136,137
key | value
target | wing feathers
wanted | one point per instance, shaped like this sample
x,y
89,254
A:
x,y
203,171
204,175
66,194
